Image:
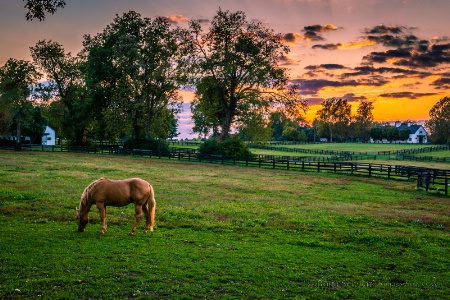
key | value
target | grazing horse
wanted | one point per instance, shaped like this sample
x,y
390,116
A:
x,y
104,192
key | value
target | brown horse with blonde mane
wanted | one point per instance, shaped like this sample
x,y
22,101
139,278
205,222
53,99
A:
x,y
104,192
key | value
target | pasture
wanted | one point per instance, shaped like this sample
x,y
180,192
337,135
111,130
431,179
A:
x,y
222,232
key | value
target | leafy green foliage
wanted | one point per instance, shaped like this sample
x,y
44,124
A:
x,y
334,118
38,8
147,144
230,147
134,69
237,66
17,79
439,122
71,110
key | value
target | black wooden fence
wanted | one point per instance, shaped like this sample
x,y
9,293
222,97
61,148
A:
x,y
427,178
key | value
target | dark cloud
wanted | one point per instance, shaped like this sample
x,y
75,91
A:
x,y
320,28
289,37
441,83
353,98
394,41
327,46
325,66
313,36
312,32
410,95
436,55
312,86
371,70
381,57
423,46
409,51
383,29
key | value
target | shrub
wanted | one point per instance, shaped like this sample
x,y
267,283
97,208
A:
x,y
229,147
147,144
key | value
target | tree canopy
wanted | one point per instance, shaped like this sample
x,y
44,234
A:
x,y
334,117
38,8
236,66
134,69
439,122
17,80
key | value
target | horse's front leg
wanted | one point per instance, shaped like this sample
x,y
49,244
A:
x,y
102,211
138,212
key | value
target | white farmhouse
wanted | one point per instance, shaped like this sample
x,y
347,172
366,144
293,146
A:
x,y
49,136
417,134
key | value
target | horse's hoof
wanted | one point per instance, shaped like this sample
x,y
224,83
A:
x,y
131,233
144,231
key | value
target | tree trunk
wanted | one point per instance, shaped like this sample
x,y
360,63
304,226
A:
x,y
19,134
226,121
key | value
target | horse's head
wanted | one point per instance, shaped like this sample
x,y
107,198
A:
x,y
82,220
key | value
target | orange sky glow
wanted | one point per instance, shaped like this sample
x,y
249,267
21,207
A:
x,y
394,53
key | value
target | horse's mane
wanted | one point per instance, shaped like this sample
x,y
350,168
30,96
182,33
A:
x,y
85,194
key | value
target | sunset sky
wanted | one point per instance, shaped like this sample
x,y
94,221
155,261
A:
x,y
395,53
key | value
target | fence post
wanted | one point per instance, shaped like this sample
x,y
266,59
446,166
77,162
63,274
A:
x,y
370,170
446,186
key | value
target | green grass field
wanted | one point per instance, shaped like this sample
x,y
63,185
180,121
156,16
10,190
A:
x,y
222,232
357,147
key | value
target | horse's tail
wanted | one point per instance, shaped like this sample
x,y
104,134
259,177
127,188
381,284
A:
x,y
151,204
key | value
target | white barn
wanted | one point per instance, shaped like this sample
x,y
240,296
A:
x,y
417,134
49,136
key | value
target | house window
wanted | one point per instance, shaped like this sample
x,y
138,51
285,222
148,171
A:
x,y
410,139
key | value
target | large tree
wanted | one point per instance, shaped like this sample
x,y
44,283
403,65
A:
x,y
439,122
17,81
134,70
363,121
237,62
334,118
71,108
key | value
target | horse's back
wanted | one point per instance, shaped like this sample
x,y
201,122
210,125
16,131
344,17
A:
x,y
121,192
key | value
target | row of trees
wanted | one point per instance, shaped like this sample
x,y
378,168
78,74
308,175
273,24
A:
x,y
335,121
126,80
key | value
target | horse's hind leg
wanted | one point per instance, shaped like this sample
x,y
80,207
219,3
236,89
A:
x,y
147,217
149,213
138,212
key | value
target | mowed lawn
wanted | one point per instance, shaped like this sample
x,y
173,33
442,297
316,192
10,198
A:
x,y
222,232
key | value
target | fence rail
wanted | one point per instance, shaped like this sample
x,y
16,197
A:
x,y
427,178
